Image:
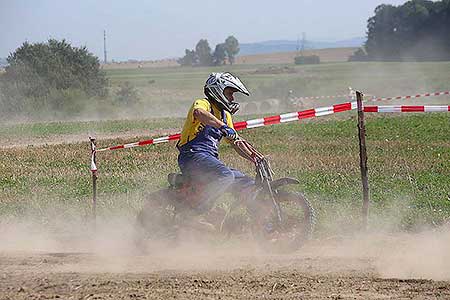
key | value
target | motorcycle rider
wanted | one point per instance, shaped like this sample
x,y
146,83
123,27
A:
x,y
208,120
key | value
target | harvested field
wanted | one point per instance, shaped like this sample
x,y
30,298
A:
x,y
326,55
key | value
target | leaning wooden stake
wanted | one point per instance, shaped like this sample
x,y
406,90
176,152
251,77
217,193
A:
x,y
94,179
363,158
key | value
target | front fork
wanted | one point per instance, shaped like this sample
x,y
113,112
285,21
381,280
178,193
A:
x,y
276,205
259,205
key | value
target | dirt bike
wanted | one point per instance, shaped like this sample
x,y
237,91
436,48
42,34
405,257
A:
x,y
280,221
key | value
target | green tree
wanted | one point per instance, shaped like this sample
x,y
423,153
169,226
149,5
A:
x,y
55,65
219,55
3,105
203,52
418,29
49,77
382,31
232,48
189,59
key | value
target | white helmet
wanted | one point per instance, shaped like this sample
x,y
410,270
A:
x,y
216,84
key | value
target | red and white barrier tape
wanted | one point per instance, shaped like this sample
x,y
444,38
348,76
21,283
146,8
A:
x,y
406,108
283,118
352,96
93,150
294,116
321,97
93,165
159,140
411,97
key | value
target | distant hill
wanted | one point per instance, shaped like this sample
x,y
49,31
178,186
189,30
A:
x,y
289,46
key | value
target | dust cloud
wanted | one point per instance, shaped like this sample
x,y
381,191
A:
x,y
109,247
424,255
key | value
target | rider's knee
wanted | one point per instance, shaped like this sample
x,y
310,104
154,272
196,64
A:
x,y
227,177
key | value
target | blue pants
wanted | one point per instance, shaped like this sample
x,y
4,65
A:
x,y
218,177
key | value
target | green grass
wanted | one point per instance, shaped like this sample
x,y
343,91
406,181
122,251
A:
x,y
168,92
409,168
377,78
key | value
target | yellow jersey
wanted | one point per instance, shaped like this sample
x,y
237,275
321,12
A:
x,y
196,136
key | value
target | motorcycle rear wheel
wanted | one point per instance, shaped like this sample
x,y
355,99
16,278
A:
x,y
155,222
165,221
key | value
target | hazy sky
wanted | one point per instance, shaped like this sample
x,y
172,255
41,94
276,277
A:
x,y
154,29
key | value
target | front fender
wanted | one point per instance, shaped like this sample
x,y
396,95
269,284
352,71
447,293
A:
x,y
283,181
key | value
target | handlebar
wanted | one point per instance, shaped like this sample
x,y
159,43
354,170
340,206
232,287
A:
x,y
263,170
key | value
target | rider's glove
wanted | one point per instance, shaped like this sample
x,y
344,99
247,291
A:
x,y
228,132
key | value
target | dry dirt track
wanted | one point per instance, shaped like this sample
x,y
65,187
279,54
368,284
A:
x,y
322,270
55,139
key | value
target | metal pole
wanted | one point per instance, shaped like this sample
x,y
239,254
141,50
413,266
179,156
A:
x,y
363,158
94,179
105,58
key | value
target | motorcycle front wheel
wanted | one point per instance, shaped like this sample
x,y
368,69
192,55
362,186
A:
x,y
291,232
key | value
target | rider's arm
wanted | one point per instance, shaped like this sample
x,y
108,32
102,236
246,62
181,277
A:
x,y
244,152
207,118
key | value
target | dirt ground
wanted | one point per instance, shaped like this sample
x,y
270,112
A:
x,y
353,267
55,139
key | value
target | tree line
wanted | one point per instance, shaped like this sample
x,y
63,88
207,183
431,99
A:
x,y
56,79
418,30
202,55
50,76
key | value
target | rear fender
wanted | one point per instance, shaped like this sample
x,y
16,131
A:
x,y
283,181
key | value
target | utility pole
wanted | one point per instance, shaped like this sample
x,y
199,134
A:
x,y
105,58
303,43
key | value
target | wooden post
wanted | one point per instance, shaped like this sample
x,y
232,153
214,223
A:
x,y
363,158
94,179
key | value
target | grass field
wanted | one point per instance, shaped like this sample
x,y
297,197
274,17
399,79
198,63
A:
x,y
409,155
409,158
383,79
169,91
